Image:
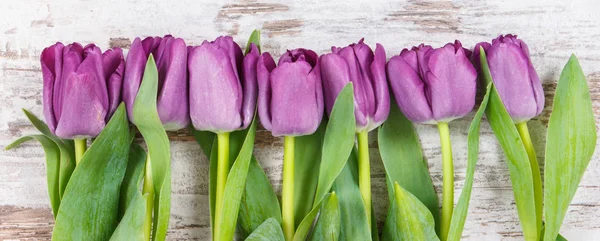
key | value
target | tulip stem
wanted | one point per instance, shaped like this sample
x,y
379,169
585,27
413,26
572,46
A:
x,y
364,171
287,193
222,172
535,172
448,180
80,148
148,188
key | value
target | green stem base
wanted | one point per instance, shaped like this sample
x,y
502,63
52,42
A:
x,y
222,172
364,171
287,193
80,148
535,173
448,180
148,188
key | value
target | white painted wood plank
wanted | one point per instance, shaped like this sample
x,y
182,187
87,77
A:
x,y
553,29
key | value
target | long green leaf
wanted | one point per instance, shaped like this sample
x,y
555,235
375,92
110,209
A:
x,y
403,160
408,219
337,143
307,222
131,226
236,139
306,171
52,153
133,177
328,225
518,162
259,201
67,152
269,230
462,207
235,186
89,209
145,115
570,144
354,225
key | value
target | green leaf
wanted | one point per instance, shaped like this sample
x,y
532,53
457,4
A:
x,y
235,186
570,144
337,143
89,208
462,207
131,225
145,116
518,162
133,177
408,218
329,223
307,222
67,152
403,160
306,171
205,139
255,39
259,201
269,230
354,222
52,154
236,139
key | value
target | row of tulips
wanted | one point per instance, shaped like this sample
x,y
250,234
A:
x,y
217,88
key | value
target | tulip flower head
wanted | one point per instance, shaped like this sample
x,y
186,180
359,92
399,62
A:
x,y
433,85
514,77
170,55
222,85
358,64
81,88
290,98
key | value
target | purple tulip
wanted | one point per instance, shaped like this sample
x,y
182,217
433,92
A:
x,y
81,88
514,77
170,55
222,85
433,85
366,70
290,97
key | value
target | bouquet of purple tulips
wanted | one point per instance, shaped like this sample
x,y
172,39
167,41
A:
x,y
324,107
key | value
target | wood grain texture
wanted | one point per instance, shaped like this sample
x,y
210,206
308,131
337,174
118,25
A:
x,y
553,29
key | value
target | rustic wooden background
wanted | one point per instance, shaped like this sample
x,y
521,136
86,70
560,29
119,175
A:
x,y
553,29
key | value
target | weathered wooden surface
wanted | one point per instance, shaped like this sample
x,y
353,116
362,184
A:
x,y
553,29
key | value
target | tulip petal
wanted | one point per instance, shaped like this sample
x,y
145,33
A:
x,y
172,103
84,111
264,66
364,58
293,112
361,100
380,87
452,83
51,60
509,67
72,57
410,57
249,85
114,66
234,52
215,91
335,75
134,70
408,90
